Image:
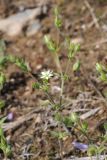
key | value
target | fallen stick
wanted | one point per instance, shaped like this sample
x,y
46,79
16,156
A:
x,y
89,113
32,114
21,120
95,21
100,18
101,157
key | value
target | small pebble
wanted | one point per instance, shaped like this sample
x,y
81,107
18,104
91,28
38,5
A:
x,y
33,28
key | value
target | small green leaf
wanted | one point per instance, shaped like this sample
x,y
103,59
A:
x,y
59,135
76,66
58,22
74,117
3,144
2,79
56,106
44,87
11,58
101,149
92,150
58,117
62,135
3,61
99,67
105,138
84,126
103,77
8,150
36,85
77,47
72,49
2,104
1,132
66,77
67,121
51,45
2,121
21,64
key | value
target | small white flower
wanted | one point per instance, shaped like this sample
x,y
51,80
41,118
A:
x,y
46,75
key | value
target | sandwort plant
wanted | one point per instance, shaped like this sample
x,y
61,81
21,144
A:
x,y
66,125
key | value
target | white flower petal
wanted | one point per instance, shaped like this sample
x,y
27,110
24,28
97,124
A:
x,y
46,74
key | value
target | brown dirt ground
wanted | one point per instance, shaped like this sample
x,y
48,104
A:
x,y
31,136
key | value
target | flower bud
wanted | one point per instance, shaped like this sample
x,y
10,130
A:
x,y
99,67
10,116
51,45
74,118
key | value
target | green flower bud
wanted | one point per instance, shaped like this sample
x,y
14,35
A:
x,y
56,11
99,67
77,47
72,49
51,45
74,118
76,66
58,22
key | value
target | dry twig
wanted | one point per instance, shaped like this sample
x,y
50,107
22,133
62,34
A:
x,y
21,120
92,14
89,113
101,157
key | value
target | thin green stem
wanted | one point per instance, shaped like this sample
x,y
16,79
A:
x,y
62,89
62,76
47,94
63,81
80,130
59,67
67,66
50,98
